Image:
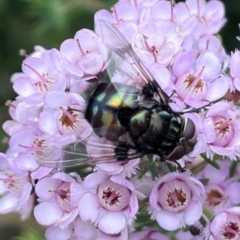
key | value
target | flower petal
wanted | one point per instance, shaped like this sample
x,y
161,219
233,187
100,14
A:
x,y
112,223
88,207
168,221
193,212
47,213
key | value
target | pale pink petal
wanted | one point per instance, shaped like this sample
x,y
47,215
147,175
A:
x,y
94,179
214,8
122,181
76,193
26,162
85,229
183,63
26,192
196,7
215,92
87,39
233,191
45,188
55,99
47,123
168,221
91,64
225,151
110,168
2,187
210,63
160,74
47,213
235,64
181,8
193,212
133,206
236,82
162,10
67,218
218,223
235,210
196,186
209,130
23,87
11,127
88,207
53,233
125,11
70,50
8,203
41,172
34,67
112,222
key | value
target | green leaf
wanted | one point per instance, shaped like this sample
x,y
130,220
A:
x,y
29,234
211,162
233,168
204,180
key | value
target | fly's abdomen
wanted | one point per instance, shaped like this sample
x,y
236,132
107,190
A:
x,y
156,130
110,108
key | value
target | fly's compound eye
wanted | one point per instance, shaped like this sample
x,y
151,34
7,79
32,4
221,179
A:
x,y
189,128
177,153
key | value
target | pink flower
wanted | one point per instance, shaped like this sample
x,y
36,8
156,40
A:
x,y
178,46
84,56
29,149
40,75
108,201
53,233
58,119
197,77
225,225
221,130
176,200
54,196
210,16
15,189
221,190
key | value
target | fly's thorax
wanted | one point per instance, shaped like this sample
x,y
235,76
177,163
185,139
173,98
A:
x,y
156,130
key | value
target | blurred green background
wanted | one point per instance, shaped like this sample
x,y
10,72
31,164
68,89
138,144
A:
x,y
25,23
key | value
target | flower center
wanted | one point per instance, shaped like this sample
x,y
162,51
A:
x,y
231,230
214,198
14,183
44,82
68,118
110,196
224,131
176,198
191,86
63,197
37,145
194,83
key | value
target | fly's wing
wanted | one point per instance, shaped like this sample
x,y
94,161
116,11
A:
x,y
91,151
132,65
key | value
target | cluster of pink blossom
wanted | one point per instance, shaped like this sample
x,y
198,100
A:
x,y
178,45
